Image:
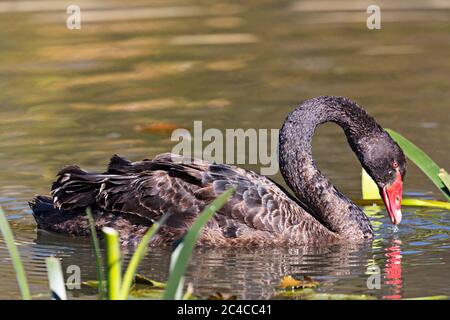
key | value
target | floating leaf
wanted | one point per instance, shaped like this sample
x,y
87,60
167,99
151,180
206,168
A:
x,y
430,298
222,296
146,293
291,283
311,294
340,296
139,279
295,293
422,160
157,127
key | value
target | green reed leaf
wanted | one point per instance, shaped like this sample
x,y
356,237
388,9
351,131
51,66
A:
x,y
445,178
98,255
183,253
113,263
15,257
422,160
137,257
56,279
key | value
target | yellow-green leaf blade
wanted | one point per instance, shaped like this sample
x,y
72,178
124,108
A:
x,y
137,257
184,253
369,187
445,178
5,230
421,159
408,203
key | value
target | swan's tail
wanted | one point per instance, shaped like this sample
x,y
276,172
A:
x,y
75,188
74,222
41,207
45,214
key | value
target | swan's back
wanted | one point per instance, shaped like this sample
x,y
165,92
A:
x,y
130,196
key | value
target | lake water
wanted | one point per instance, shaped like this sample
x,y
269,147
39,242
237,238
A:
x,y
136,69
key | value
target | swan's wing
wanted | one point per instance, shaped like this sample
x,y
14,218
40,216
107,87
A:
x,y
170,184
139,195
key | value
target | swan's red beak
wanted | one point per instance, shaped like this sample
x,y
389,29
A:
x,y
392,197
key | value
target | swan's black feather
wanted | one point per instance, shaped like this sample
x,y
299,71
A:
x,y
258,212
131,196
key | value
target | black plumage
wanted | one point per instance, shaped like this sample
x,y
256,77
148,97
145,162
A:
x,y
130,196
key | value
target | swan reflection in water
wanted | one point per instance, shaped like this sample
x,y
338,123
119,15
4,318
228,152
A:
x,y
256,273
130,196
393,270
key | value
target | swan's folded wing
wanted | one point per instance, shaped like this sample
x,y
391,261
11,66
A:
x,y
151,188
258,203
146,195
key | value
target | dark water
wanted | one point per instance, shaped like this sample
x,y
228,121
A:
x,y
79,96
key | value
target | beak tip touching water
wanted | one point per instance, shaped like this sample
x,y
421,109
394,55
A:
x,y
392,197
396,217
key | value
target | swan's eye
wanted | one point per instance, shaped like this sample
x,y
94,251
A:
x,y
395,164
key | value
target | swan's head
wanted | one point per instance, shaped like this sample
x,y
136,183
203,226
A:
x,y
385,162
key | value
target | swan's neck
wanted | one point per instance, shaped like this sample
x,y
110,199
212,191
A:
x,y
324,201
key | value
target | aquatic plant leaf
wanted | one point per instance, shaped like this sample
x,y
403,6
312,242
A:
x,y
430,298
222,296
113,263
422,160
137,257
98,256
15,257
173,263
445,178
91,283
340,296
295,293
189,294
369,187
157,127
311,294
146,293
288,282
56,279
180,263
140,279
408,202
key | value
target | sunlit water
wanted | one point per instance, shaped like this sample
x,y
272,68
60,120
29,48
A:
x,y
79,96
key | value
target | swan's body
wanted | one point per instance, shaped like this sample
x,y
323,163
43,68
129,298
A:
x,y
130,196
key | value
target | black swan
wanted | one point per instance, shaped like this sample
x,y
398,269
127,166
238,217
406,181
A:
x,y
130,196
